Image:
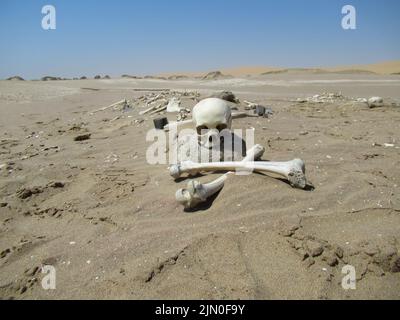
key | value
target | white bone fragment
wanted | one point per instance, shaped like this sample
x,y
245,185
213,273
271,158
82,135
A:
x,y
375,102
250,105
196,193
174,105
293,171
148,110
159,109
155,98
110,106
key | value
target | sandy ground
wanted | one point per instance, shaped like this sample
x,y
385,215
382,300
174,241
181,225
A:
x,y
109,223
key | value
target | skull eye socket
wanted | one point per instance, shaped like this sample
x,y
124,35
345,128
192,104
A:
x,y
221,127
200,128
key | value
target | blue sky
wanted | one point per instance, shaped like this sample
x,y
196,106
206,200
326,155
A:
x,y
155,36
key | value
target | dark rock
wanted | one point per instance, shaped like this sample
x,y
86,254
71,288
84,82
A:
x,y
16,78
49,78
160,123
4,253
130,77
177,77
82,137
225,95
23,289
25,193
3,204
57,184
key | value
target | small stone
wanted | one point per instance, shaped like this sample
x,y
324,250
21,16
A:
x,y
57,184
82,137
3,204
4,253
314,248
25,193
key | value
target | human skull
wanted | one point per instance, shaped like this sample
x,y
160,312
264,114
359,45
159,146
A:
x,y
211,116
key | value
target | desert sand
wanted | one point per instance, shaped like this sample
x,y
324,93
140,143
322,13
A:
x,y
380,68
109,223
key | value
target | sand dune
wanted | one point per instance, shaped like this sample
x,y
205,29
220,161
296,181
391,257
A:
x,y
382,68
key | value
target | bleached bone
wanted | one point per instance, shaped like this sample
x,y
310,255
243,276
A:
x,y
174,105
110,106
210,116
196,193
154,99
293,171
154,107
159,109
149,109
250,105
375,102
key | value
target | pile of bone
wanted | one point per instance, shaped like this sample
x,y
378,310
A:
x,y
323,98
167,101
373,102
210,116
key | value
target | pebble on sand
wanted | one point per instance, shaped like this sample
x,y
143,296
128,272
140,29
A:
x,y
82,137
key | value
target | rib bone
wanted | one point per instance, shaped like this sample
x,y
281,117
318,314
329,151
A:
x,y
293,171
196,193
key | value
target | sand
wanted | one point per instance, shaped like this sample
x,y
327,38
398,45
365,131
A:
x,y
109,223
380,68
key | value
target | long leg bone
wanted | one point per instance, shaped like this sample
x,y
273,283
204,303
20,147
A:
x,y
196,193
108,107
293,171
